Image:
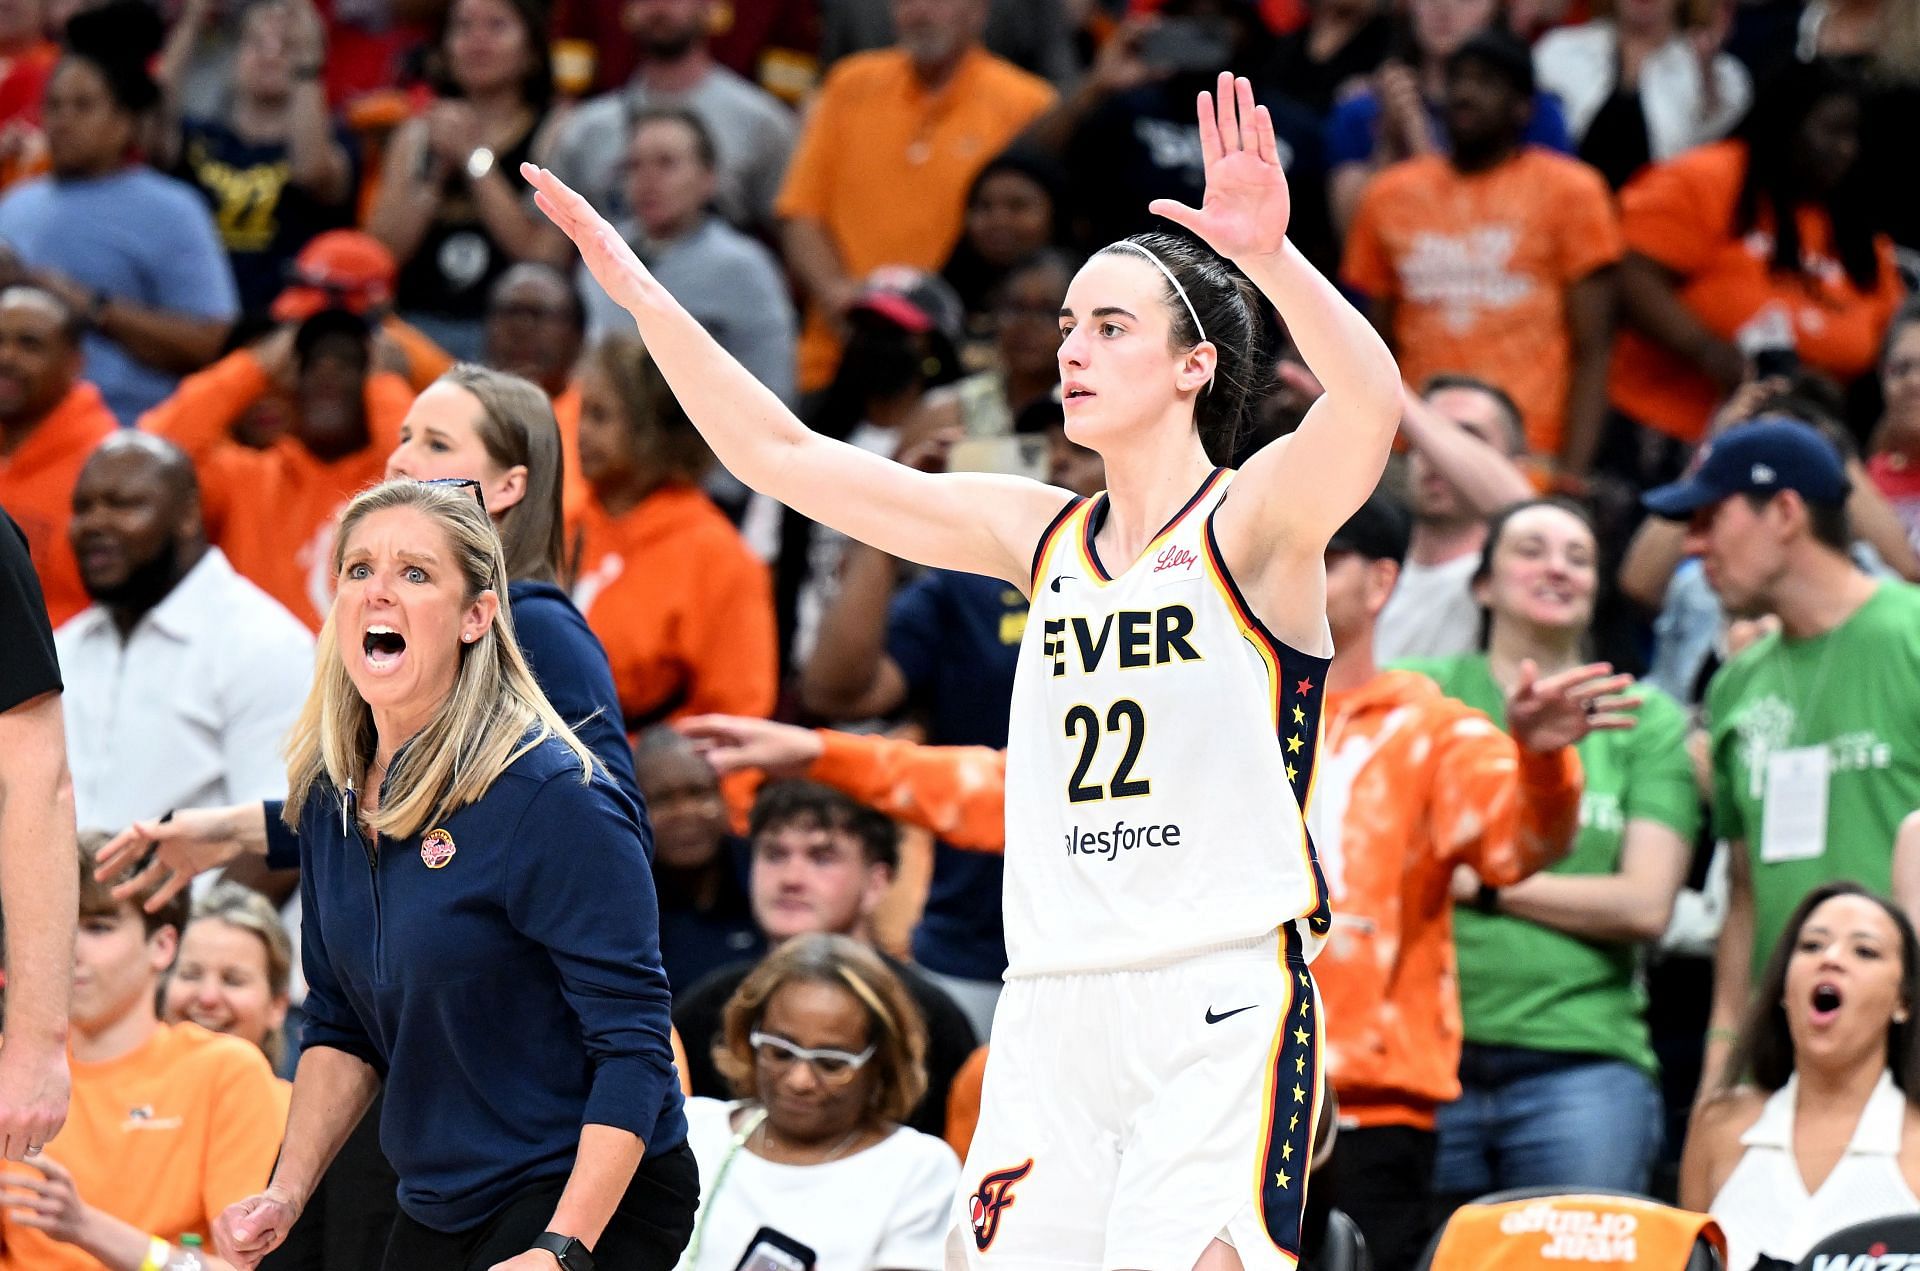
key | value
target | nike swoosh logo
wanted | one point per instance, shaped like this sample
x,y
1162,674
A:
x,y
1061,578
1215,1019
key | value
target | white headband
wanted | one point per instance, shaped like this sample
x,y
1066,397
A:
x,y
1178,290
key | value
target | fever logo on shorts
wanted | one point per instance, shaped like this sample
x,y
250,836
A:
x,y
436,849
995,1195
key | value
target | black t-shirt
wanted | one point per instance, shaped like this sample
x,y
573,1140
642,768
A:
x,y
950,1039
264,219
28,667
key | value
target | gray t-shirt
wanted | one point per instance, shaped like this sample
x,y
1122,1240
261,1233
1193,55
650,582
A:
x,y
727,281
1431,614
753,136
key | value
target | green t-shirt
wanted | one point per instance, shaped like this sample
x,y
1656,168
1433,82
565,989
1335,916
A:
x,y
1850,693
1522,984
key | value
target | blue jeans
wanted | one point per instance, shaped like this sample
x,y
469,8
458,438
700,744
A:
x,y
1526,1118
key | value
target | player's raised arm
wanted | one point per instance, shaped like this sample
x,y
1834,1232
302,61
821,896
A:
x,y
1300,492
966,521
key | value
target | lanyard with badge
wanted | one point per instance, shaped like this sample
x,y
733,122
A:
x,y
1793,818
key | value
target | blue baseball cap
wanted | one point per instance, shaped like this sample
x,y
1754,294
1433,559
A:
x,y
1764,456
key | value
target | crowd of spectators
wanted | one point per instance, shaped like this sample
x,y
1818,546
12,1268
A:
x,y
1644,265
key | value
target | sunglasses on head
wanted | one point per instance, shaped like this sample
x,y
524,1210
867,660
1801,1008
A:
x,y
461,483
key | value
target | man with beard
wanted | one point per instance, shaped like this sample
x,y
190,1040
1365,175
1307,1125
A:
x,y
182,677
1497,259
753,132
272,510
49,420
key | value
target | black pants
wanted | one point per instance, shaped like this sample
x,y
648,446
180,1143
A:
x,y
345,1224
649,1228
1382,1178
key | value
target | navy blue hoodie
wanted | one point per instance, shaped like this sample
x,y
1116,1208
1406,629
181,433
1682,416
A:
x,y
570,666
507,994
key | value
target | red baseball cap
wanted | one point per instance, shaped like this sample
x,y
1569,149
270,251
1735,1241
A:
x,y
340,269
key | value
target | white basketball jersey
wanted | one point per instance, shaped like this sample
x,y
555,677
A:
x,y
1159,757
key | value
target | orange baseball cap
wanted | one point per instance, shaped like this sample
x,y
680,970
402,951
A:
x,y
340,269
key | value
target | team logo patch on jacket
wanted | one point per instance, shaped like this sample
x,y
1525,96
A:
x,y
994,1197
436,849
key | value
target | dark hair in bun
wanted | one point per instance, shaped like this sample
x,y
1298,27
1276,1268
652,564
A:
x,y
120,39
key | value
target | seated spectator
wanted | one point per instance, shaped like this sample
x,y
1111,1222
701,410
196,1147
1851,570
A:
x,y
351,270
1496,258
1021,364
274,167
728,281
234,971
1815,1127
133,253
824,1053
699,868
1125,133
1557,1073
1401,116
1334,55
822,864
1641,82
683,607
1747,251
272,511
888,151
1035,35
27,59
1766,513
182,677
1462,436
1016,207
751,132
50,421
1877,41
452,207
1895,465
536,328
169,1123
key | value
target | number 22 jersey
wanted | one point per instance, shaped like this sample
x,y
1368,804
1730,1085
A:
x,y
1160,757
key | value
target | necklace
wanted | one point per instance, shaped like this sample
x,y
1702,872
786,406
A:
x,y
766,1140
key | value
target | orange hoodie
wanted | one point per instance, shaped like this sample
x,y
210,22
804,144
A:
x,y
1410,783
36,486
273,511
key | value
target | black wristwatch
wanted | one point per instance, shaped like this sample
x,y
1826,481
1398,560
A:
x,y
1487,899
573,1255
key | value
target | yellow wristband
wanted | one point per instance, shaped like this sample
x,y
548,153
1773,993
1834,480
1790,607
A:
x,y
158,1253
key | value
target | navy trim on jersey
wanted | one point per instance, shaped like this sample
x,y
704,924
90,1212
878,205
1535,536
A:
x,y
1097,516
1046,538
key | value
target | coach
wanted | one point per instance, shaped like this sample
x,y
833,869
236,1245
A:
x,y
480,931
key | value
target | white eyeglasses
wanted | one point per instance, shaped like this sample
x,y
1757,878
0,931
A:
x,y
835,1067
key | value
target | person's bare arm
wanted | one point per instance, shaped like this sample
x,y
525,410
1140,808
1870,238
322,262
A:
x,y
1655,552
168,71
1485,477
1590,329
850,675
1906,867
40,894
164,339
52,1203
1874,521
1713,1144
1650,303
316,161
1628,907
409,198
977,522
816,264
188,842
1732,969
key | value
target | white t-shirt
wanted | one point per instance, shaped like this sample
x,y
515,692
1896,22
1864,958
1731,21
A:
x,y
1431,614
887,1207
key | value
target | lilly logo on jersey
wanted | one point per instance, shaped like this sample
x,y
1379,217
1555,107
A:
x,y
1174,558
994,1198
1145,637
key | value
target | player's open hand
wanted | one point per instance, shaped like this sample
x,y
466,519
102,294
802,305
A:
x,y
606,254
732,743
1546,714
1246,208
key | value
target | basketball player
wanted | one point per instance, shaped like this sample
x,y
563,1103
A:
x,y
1154,1078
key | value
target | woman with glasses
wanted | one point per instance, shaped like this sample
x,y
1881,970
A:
x,y
826,1052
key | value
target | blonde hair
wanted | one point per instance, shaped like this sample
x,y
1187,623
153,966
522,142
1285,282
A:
x,y
481,728
241,906
894,1025
517,428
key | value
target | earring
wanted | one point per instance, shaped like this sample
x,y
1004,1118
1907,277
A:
x,y
1900,1017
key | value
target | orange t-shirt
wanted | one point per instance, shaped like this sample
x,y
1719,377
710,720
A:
x,y
164,1137
683,606
1410,784
574,490
1679,214
273,511
884,165
36,487
1478,266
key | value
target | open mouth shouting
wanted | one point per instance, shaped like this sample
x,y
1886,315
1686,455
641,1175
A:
x,y
1824,1003
383,647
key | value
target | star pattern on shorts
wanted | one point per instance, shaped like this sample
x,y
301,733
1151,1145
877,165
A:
x,y
1292,775
1294,743
1282,1181
1299,716
1303,687
1300,1036
1299,1095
